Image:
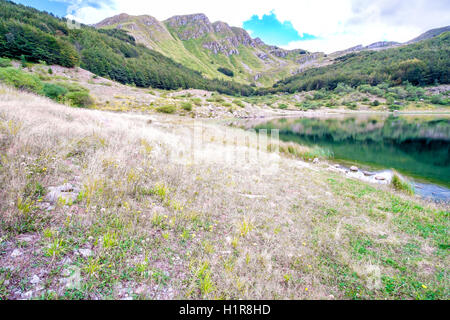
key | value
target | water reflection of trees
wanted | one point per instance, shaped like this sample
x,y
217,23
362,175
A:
x,y
419,147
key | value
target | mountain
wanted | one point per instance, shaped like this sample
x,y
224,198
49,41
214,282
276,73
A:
x,y
194,41
36,36
423,63
381,45
430,34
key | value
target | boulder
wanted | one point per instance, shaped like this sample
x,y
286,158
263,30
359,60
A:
x,y
16,253
354,169
35,280
66,192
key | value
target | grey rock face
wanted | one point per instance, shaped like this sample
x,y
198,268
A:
x,y
220,47
278,52
262,55
192,26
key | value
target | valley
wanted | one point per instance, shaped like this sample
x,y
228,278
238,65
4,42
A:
x,y
184,159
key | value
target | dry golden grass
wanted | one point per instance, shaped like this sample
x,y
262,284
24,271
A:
x,y
162,226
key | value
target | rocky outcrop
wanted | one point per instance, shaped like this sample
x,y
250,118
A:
x,y
221,38
278,52
222,28
262,55
113,20
242,37
381,44
189,27
218,38
307,58
220,47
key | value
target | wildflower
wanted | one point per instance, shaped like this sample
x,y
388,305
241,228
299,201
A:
x,y
306,289
424,286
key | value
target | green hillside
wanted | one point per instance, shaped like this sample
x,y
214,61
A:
x,y
197,43
36,36
423,63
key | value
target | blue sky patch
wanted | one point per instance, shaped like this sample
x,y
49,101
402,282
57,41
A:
x,y
273,31
60,7
56,7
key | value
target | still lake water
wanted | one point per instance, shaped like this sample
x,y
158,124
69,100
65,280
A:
x,y
417,146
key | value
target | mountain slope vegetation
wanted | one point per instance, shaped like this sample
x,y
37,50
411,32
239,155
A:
x,y
191,52
423,63
37,36
206,47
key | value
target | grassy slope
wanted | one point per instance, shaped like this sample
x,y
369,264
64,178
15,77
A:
x,y
161,229
191,54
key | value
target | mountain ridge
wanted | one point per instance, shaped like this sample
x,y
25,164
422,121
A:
x,y
206,46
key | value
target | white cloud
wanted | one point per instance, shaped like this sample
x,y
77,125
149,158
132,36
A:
x,y
338,24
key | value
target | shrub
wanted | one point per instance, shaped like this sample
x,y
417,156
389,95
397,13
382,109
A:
x,y
352,106
54,91
21,80
197,101
80,99
5,63
343,88
187,106
167,109
282,106
319,95
376,103
437,99
226,71
239,103
219,99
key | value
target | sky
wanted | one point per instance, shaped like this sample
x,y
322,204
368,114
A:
x,y
314,25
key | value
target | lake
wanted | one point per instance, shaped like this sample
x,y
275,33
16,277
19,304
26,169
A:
x,y
417,146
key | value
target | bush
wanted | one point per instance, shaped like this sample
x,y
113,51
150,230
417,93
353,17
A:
x,y
5,63
218,99
318,95
197,101
167,109
239,103
54,91
343,88
21,80
226,71
187,106
376,103
438,99
282,106
80,99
